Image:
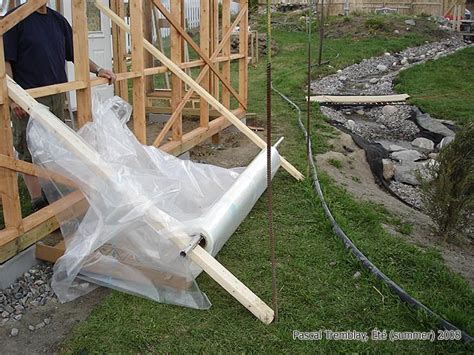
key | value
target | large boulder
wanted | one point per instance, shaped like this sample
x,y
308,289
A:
x,y
445,141
432,125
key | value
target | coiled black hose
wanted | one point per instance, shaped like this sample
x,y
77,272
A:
x,y
404,296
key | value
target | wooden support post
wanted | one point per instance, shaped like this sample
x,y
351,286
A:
x,y
119,50
204,43
215,43
160,44
8,179
148,35
226,52
243,49
138,65
81,61
176,57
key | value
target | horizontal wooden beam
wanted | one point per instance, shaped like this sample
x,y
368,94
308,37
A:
x,y
188,111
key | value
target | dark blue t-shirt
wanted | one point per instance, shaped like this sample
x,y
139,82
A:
x,y
38,48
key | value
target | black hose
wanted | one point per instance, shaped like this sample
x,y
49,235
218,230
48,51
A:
x,y
402,294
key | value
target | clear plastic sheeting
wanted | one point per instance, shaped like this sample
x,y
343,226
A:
x,y
114,242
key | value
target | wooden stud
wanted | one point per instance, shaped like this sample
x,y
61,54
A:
x,y
148,35
226,51
119,49
9,21
81,61
138,65
243,49
176,57
8,179
205,48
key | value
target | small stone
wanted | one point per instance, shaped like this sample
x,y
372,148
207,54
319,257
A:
x,y
423,143
39,325
339,71
9,308
350,124
343,78
14,332
404,61
332,263
382,68
5,314
19,308
360,112
30,327
433,156
389,110
17,317
47,321
356,275
410,22
396,32
388,169
34,303
422,56
387,54
374,80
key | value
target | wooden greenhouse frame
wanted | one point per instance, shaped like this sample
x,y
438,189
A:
x,y
212,88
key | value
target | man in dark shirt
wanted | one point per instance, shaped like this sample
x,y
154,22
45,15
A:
x,y
36,51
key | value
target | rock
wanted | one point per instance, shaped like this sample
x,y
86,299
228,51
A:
x,y
374,80
332,263
14,332
388,169
17,317
47,321
360,112
408,193
5,314
39,325
30,327
423,143
422,56
408,156
381,68
343,78
395,148
404,61
432,125
406,174
396,32
351,125
356,275
387,54
389,110
9,308
433,156
445,141
410,22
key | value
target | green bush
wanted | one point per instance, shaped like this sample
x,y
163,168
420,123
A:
x,y
375,23
448,187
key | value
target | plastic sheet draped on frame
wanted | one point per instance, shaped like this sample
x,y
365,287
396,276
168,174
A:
x,y
111,243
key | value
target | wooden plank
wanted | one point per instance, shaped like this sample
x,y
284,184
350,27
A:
x,y
24,167
8,179
176,57
81,60
9,21
180,30
39,224
153,216
358,99
147,15
50,253
57,88
188,111
119,49
243,49
204,43
226,51
201,91
138,65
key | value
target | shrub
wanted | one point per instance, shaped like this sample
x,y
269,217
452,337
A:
x,y
375,23
448,187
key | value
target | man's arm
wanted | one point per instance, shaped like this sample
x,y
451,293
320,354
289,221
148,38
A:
x,y
19,112
101,72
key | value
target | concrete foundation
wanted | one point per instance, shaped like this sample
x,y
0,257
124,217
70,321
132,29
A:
x,y
17,266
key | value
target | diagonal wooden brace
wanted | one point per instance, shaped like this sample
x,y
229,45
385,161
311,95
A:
x,y
200,77
153,216
175,69
198,50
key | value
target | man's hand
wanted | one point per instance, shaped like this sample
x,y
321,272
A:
x,y
108,74
19,112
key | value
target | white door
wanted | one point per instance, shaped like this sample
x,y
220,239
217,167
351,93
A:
x,y
100,45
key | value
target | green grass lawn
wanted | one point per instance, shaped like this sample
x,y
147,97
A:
x,y
444,88
314,292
